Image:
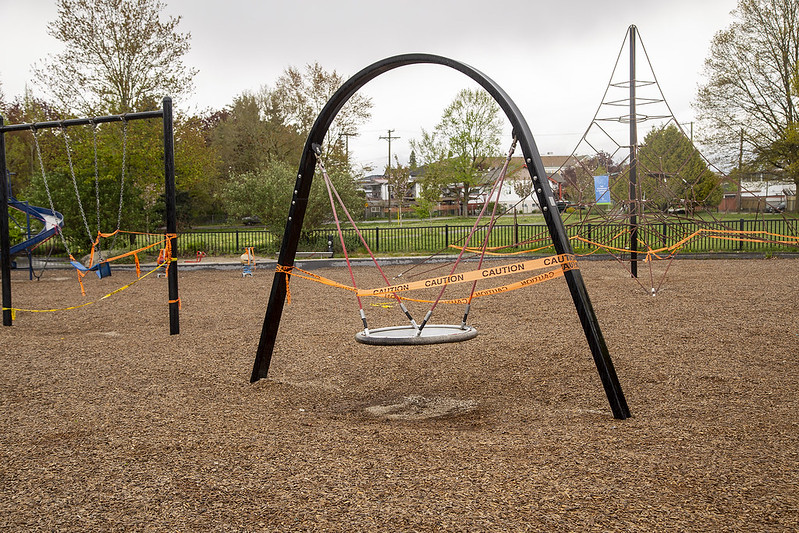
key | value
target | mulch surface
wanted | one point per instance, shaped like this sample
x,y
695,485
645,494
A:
x,y
110,423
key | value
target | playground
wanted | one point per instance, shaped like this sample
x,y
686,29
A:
x,y
110,423
118,419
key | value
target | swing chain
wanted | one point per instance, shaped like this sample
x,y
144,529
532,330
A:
x,y
47,186
96,173
122,178
75,182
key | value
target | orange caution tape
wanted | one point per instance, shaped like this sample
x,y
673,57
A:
x,y
15,310
474,275
566,262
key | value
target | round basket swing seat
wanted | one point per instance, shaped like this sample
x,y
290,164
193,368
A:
x,y
408,335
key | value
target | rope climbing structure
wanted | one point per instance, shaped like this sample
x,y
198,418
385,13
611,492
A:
x,y
643,201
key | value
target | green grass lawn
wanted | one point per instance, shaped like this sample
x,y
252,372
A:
x,y
569,217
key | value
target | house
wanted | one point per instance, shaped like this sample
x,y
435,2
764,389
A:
x,y
761,195
516,192
517,187
381,200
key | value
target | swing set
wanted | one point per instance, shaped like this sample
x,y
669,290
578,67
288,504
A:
x,y
98,264
425,332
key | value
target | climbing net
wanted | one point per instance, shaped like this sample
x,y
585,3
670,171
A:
x,y
644,203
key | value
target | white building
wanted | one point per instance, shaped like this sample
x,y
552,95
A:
x,y
773,195
517,186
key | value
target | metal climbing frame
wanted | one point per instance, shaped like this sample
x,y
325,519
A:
x,y
546,199
164,113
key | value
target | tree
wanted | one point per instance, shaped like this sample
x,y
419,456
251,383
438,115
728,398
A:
x,y
20,151
196,163
671,173
298,98
267,193
579,178
784,153
119,57
248,135
456,153
748,84
400,183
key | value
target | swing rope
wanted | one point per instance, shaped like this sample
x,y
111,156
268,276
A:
x,y
340,234
496,187
332,191
469,239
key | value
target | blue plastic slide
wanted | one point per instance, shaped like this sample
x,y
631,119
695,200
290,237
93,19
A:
x,y
53,221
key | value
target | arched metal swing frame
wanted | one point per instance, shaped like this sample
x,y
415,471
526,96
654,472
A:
x,y
546,199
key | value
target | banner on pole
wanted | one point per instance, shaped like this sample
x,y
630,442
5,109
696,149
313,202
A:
x,y
602,190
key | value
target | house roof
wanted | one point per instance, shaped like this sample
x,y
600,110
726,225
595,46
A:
x,y
558,161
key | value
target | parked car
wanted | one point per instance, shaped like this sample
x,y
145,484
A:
x,y
779,208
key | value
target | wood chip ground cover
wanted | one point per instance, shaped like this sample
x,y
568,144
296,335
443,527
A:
x,y
109,423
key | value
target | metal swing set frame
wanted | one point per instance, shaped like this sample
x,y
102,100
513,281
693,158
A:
x,y
165,113
546,199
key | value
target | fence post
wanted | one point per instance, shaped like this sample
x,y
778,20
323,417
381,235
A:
x,y
377,239
740,241
446,235
590,235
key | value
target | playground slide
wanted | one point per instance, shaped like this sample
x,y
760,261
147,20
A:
x,y
53,221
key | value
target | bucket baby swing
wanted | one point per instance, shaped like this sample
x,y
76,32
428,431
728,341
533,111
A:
x,y
97,263
418,333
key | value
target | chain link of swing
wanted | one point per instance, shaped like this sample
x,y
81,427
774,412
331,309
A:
x,y
73,177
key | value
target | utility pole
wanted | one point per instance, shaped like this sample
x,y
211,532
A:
x,y
389,138
347,136
388,169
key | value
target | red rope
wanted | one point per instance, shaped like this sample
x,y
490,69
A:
x,y
331,190
473,230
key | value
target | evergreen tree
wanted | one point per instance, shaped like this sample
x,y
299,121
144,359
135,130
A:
x,y
672,174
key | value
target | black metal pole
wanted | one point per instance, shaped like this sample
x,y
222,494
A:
x,y
171,216
633,163
543,191
5,243
83,121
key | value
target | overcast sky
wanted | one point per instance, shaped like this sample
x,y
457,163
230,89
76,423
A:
x,y
553,58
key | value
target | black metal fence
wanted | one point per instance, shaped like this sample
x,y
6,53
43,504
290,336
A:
x,y
730,236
